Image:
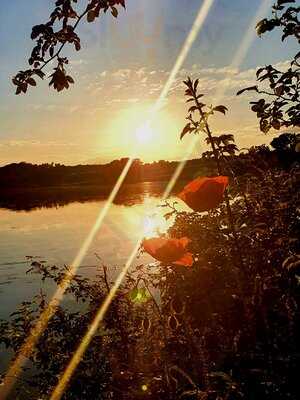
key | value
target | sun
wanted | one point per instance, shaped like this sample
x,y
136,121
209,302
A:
x,y
135,133
144,134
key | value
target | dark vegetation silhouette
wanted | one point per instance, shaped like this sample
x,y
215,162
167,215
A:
x,y
26,176
46,175
25,186
52,37
226,328
280,106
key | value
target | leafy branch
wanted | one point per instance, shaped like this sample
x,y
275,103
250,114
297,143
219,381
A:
x,y
219,144
283,110
51,38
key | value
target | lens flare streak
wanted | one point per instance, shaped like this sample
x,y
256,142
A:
x,y
47,314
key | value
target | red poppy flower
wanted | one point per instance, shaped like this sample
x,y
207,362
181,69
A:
x,y
203,194
169,251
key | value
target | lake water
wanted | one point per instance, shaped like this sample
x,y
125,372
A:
x,y
33,226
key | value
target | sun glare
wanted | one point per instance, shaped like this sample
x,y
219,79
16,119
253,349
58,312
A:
x,y
132,134
154,225
144,134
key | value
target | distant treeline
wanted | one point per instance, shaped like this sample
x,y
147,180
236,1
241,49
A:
x,y
45,175
26,175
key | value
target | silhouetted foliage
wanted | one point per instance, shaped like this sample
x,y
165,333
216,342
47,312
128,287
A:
x,y
287,148
27,186
47,175
287,142
281,108
52,36
221,331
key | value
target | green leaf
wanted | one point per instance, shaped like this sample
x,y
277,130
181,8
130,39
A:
x,y
280,2
247,89
192,109
91,15
221,109
276,124
24,87
31,81
264,126
40,73
196,84
186,129
279,90
133,293
139,295
226,138
168,215
114,12
260,26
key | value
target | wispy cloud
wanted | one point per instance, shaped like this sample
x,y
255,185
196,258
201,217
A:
x,y
36,143
145,83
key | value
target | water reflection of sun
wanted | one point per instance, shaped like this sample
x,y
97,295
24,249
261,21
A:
x,y
154,225
153,222
145,219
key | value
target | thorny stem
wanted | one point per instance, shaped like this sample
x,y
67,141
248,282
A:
x,y
215,152
214,149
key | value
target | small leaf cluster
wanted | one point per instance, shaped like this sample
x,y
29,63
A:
x,y
205,111
285,16
283,107
139,295
222,145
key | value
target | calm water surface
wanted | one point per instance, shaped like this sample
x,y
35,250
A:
x,y
55,234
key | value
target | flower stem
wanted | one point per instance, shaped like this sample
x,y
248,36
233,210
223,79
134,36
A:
x,y
219,168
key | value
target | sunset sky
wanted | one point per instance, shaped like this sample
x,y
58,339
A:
x,y
120,72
